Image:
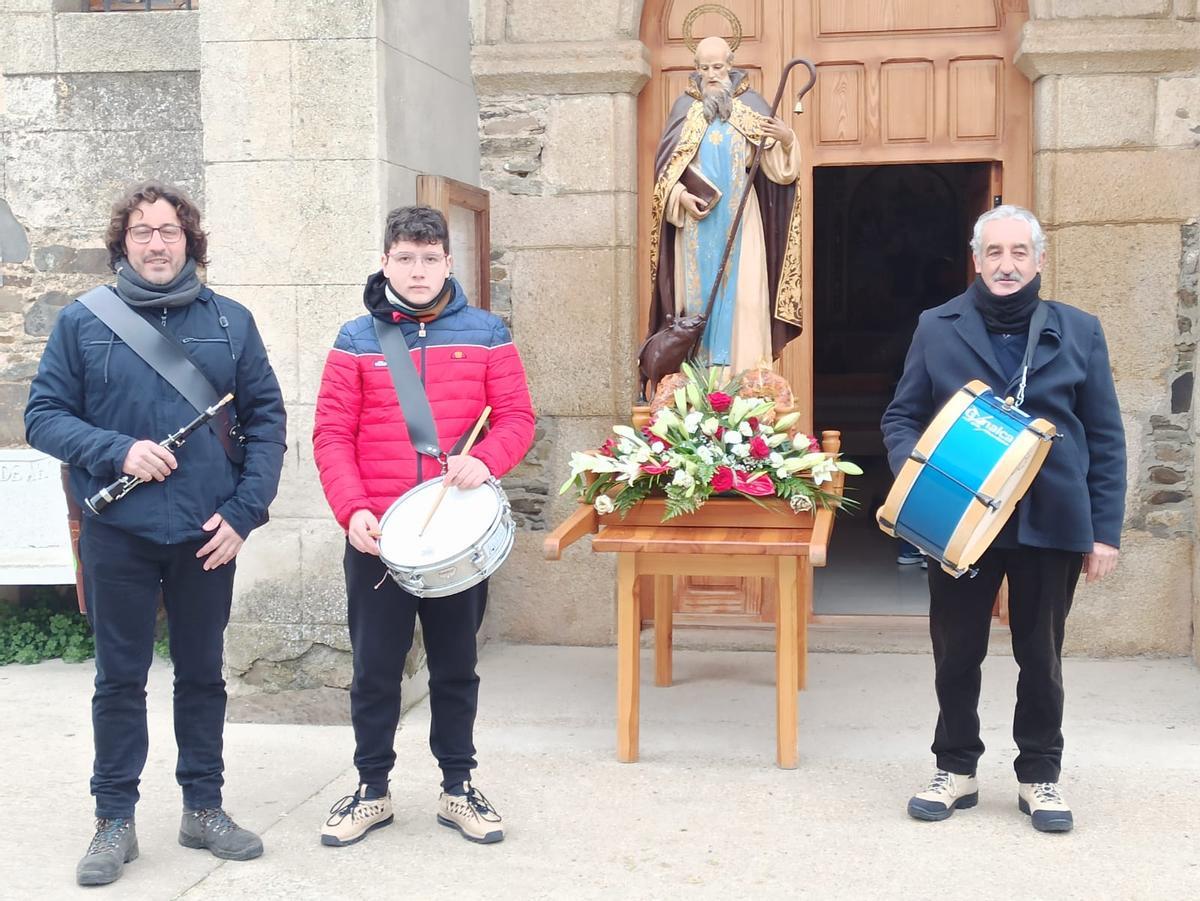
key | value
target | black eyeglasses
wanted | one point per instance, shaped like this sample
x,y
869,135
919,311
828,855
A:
x,y
141,234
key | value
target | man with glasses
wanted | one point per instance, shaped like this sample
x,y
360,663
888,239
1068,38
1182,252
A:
x,y
96,404
466,361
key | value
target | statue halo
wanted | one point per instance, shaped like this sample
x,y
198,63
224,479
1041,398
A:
x,y
727,13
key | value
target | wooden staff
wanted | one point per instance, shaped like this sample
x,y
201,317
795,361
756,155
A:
x,y
466,449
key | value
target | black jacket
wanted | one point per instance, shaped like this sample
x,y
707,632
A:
x,y
93,397
1078,497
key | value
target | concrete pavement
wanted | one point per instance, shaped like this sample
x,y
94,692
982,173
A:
x,y
704,814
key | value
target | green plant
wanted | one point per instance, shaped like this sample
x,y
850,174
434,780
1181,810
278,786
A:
x,y
42,632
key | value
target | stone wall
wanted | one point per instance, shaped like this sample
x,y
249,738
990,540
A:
x,y
88,103
317,118
1117,108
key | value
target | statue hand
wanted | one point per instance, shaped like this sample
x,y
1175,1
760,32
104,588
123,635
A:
x,y
778,129
696,208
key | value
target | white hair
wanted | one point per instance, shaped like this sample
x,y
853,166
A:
x,y
1009,211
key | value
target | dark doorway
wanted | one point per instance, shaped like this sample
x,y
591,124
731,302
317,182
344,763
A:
x,y
888,243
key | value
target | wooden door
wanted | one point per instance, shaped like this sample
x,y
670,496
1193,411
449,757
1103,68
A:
x,y
899,81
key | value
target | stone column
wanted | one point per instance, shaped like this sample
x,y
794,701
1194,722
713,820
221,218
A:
x,y
557,83
1117,108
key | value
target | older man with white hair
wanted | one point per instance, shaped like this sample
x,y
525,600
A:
x,y
1069,521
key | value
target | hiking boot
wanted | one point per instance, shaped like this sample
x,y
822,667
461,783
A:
x,y
1045,806
113,846
472,815
351,818
946,793
212,828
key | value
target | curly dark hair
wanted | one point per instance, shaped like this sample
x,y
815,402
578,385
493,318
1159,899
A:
x,y
149,192
419,224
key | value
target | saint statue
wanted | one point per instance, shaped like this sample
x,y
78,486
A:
x,y
701,170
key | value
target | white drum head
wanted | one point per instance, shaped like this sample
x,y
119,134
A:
x,y
461,520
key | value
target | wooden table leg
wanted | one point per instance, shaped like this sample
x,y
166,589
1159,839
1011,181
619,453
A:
x,y
664,607
628,659
804,601
786,663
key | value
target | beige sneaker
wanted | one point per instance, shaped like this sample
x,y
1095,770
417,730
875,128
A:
x,y
351,818
947,792
1045,806
472,815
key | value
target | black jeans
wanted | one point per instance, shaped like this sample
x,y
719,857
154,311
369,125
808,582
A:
x,y
381,633
1041,584
123,575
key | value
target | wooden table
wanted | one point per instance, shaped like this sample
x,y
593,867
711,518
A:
x,y
726,537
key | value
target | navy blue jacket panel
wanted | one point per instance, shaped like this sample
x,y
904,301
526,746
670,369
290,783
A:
x,y
93,397
1078,497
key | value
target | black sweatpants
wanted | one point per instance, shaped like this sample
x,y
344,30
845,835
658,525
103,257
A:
x,y
381,632
1041,583
122,576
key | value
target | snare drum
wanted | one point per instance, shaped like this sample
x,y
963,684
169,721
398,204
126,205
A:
x,y
963,479
466,541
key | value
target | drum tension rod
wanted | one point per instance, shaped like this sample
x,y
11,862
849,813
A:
x,y
988,501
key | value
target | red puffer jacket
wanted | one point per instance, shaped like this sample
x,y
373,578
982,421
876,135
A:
x,y
467,361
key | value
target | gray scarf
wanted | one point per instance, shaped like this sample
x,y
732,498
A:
x,y
137,292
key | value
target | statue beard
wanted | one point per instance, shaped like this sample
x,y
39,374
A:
x,y
718,102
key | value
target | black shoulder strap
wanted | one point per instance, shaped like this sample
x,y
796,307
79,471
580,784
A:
x,y
166,356
410,393
1036,323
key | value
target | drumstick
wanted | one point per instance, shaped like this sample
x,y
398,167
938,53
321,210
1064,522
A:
x,y
466,448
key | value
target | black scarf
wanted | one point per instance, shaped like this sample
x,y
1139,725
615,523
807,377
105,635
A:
x,y
137,292
1010,314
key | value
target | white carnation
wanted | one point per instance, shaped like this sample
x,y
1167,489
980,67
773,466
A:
x,y
604,504
682,479
745,429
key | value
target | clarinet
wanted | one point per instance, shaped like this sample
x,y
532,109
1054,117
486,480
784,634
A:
x,y
122,486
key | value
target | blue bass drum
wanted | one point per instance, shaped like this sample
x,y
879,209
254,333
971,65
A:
x,y
963,479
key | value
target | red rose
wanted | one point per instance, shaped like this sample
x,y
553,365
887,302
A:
x,y
757,485
759,449
722,479
814,444
753,421
609,447
653,469
720,433
720,401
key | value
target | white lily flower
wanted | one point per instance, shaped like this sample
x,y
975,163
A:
x,y
745,429
628,433
777,439
786,422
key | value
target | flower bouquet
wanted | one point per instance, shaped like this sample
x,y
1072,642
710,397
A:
x,y
710,441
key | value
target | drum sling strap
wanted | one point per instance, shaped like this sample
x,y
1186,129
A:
x,y
410,392
1036,322
163,353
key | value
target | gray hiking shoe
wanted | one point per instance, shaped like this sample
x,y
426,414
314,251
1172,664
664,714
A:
x,y
113,846
212,828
